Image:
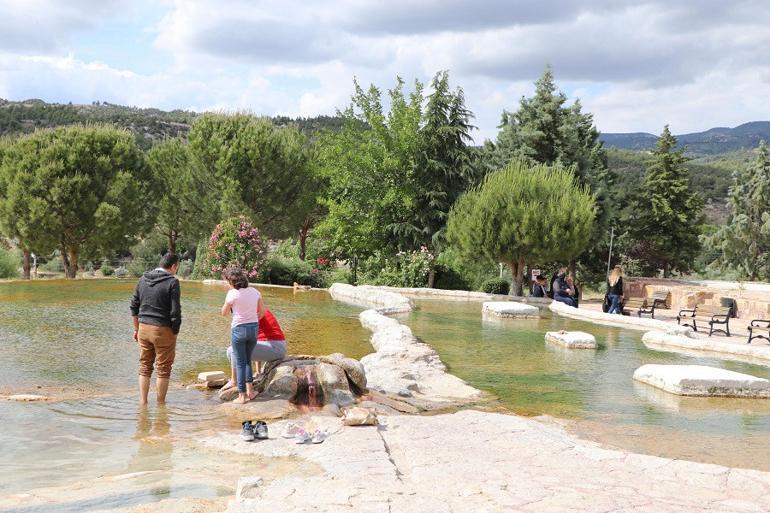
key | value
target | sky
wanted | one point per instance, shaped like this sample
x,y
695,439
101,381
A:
x,y
636,65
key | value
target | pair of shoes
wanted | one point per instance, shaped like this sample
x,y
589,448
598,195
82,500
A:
x,y
253,430
291,430
304,437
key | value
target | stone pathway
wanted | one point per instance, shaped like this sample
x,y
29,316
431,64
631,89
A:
x,y
486,462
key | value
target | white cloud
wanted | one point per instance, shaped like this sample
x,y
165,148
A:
x,y
635,65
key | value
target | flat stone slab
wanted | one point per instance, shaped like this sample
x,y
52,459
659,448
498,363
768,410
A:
x,y
206,377
26,398
510,309
572,339
702,381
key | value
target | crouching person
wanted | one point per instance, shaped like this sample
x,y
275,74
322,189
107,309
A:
x,y
271,345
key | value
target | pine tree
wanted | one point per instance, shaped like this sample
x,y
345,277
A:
x,y
668,212
546,130
744,242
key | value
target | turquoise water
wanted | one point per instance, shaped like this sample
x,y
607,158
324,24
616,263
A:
x,y
510,359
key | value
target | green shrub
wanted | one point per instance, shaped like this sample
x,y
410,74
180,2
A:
x,y
185,268
202,267
10,262
122,272
496,286
449,279
107,269
406,269
137,267
339,276
53,264
281,271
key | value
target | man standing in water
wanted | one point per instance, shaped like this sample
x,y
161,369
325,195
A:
x,y
157,315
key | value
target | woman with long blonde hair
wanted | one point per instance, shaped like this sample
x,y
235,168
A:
x,y
615,290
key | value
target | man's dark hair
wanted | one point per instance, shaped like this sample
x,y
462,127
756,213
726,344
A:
x,y
236,277
540,277
168,260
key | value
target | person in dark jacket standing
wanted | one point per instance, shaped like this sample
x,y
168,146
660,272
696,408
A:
x,y
157,315
615,290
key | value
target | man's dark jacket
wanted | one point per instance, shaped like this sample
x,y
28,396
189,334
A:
x,y
156,300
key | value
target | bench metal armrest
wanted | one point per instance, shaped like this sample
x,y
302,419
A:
x,y
689,311
756,323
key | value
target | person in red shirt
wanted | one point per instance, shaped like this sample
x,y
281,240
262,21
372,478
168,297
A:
x,y
271,345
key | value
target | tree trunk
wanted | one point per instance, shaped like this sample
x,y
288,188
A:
x,y
431,278
172,235
572,267
70,259
303,232
517,274
26,265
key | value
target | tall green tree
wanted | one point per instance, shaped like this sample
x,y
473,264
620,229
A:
x,y
367,166
84,188
545,129
186,210
668,213
744,242
393,176
261,169
514,217
21,217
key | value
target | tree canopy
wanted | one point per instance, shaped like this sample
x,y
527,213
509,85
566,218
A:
x,y
523,213
80,188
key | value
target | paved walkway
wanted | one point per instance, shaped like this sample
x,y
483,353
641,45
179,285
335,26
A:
x,y
486,462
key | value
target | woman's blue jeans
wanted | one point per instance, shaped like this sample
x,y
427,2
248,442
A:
x,y
614,304
243,339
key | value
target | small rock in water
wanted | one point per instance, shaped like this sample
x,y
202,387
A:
x,y
249,488
229,394
197,386
405,393
205,377
216,383
24,398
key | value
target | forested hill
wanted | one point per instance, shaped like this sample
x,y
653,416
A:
x,y
148,125
715,141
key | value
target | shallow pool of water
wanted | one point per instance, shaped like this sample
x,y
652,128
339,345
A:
x,y
510,359
73,338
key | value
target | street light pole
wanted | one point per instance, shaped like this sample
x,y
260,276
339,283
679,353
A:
x,y
609,257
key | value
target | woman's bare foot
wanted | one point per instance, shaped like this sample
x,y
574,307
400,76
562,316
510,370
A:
x,y
253,396
241,399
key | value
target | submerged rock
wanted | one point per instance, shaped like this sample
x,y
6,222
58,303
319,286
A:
x,y
510,309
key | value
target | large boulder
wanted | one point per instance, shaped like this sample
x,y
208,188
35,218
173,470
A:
x,y
282,383
352,367
334,383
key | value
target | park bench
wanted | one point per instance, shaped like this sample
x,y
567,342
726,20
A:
x,y
761,326
641,305
711,314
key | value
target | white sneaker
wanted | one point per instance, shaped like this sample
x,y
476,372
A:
x,y
303,437
291,429
319,436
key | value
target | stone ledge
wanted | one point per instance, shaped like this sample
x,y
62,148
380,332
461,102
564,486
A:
x,y
702,381
510,309
572,339
622,321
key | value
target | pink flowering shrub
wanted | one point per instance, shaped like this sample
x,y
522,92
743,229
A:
x,y
236,242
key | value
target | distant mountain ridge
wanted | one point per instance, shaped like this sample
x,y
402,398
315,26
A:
x,y
714,141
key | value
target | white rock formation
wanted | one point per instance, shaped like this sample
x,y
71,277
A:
x,y
754,353
510,309
700,380
488,462
572,339
248,488
206,377
402,364
26,398
623,321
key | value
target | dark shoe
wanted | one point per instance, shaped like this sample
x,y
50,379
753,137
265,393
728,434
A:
x,y
247,433
260,430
